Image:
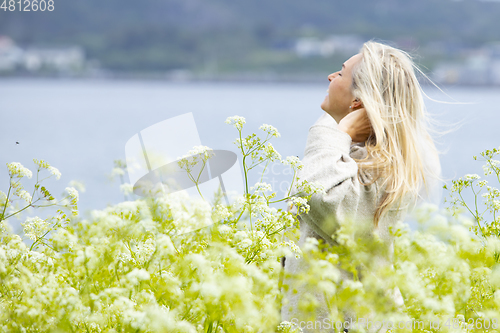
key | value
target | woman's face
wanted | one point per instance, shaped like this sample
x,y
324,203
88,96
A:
x,y
339,96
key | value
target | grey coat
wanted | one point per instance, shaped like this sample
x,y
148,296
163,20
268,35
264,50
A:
x,y
328,160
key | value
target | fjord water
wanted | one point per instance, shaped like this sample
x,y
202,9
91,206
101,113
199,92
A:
x,y
81,126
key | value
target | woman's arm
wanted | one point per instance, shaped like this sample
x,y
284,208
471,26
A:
x,y
327,162
357,125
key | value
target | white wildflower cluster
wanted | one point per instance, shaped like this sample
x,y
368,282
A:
x,y
249,143
271,153
117,172
221,213
301,204
310,245
224,229
137,275
144,250
489,168
18,170
292,248
35,227
293,161
289,327
197,155
266,215
471,177
72,193
55,172
236,121
23,194
202,150
44,165
309,187
271,130
261,187
127,188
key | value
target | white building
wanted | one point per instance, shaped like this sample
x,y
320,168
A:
x,y
34,59
10,55
343,44
59,59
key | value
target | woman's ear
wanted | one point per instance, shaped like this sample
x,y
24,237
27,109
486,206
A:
x,y
356,103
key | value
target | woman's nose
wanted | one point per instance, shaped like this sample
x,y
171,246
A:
x,y
331,76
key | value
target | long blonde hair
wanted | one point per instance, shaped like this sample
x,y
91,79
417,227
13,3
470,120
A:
x,y
385,82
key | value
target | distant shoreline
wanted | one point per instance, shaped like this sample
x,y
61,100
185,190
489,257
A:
x,y
244,77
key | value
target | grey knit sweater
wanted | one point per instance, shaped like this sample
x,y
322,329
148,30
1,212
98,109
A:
x,y
328,160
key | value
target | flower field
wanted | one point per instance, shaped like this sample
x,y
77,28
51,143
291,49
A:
x,y
130,268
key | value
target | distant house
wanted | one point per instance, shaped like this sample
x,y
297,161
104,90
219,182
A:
x,y
67,59
11,56
34,59
480,67
312,46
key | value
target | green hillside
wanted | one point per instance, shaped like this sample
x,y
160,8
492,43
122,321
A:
x,y
229,35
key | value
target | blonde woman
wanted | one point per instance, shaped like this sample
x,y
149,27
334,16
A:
x,y
372,153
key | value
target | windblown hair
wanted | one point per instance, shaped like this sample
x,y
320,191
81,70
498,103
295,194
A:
x,y
385,82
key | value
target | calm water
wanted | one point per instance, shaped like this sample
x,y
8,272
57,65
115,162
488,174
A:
x,y
81,126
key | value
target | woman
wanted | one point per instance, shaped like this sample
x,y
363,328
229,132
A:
x,y
371,152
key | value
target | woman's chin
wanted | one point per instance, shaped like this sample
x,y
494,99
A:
x,y
323,106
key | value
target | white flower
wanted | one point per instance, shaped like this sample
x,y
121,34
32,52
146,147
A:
x,y
224,229
270,129
301,203
310,244
286,326
239,235
25,196
35,227
271,153
72,192
55,172
206,151
245,243
117,172
292,248
16,169
472,177
194,156
137,275
125,258
261,187
127,188
221,213
292,161
236,121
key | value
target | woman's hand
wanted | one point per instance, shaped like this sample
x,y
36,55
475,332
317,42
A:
x,y
357,125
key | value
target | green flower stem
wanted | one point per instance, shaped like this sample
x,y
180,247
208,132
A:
x,y
6,200
18,211
475,217
196,183
495,169
262,176
293,179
